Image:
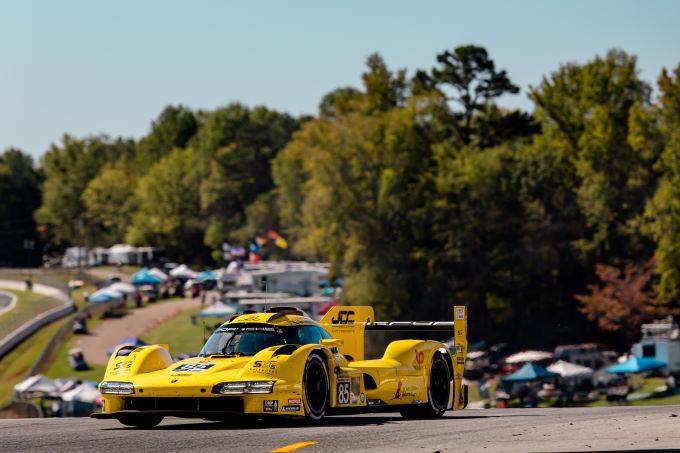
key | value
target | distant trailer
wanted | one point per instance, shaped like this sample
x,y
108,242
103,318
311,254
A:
x,y
661,341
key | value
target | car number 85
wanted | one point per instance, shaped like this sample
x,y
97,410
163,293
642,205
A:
x,y
343,393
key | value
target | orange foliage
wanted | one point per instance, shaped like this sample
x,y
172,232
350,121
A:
x,y
624,301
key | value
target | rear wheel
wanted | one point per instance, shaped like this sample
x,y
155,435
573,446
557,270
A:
x,y
141,421
316,388
437,394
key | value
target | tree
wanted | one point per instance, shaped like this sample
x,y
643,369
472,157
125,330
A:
x,y
168,211
663,209
174,128
339,101
20,195
472,75
108,204
68,170
624,301
239,144
588,112
354,189
384,90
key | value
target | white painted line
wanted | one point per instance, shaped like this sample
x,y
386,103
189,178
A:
x,y
12,302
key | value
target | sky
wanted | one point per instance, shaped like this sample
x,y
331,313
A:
x,y
86,67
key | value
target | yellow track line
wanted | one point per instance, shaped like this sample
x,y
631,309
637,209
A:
x,y
293,447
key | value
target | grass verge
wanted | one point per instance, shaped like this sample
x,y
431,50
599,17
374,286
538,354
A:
x,y
28,306
14,366
180,333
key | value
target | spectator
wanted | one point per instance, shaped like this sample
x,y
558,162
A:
x,y
670,384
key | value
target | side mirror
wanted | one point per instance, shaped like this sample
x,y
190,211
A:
x,y
332,343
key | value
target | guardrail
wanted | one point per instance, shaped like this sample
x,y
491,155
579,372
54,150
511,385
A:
x,y
15,337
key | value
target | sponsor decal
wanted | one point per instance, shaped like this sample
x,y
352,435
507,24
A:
x,y
297,401
264,367
362,397
123,365
291,408
397,394
355,389
377,402
343,390
460,360
420,358
270,405
261,364
401,392
460,313
194,367
344,317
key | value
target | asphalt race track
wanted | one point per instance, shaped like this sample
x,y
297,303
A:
x,y
521,430
4,301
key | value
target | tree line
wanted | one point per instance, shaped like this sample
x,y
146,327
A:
x,y
552,225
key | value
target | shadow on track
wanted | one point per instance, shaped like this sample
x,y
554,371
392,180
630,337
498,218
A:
x,y
254,423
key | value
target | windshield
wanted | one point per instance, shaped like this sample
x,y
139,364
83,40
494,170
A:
x,y
249,339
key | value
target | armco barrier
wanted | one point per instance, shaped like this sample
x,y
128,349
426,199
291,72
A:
x,y
29,328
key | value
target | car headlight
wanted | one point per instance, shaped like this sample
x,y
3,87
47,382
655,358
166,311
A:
x,y
116,388
239,388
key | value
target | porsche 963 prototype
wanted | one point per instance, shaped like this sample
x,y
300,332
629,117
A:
x,y
282,363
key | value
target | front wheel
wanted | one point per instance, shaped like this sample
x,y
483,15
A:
x,y
141,421
316,388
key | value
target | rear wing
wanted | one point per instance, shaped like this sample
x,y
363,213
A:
x,y
349,323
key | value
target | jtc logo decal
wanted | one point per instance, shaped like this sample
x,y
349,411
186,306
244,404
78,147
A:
x,y
344,317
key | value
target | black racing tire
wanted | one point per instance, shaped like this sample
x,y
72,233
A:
x,y
438,392
316,388
141,421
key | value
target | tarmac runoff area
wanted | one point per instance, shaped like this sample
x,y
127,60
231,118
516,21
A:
x,y
639,428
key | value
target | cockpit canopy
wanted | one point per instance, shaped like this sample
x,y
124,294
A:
x,y
249,339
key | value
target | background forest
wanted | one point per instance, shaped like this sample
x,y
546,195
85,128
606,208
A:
x,y
555,225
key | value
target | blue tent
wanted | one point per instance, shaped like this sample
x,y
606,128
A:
x,y
128,341
530,372
143,277
205,276
636,365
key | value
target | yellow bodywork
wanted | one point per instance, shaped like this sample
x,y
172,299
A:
x,y
399,378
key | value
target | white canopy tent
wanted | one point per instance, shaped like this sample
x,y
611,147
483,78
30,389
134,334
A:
x,y
36,384
528,356
571,370
159,274
83,392
183,271
121,287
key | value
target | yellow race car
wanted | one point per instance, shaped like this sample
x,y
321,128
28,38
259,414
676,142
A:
x,y
283,363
